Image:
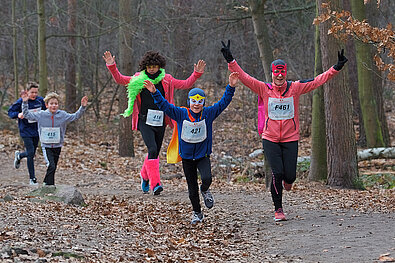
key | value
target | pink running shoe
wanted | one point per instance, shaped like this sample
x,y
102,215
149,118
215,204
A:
x,y
286,186
279,215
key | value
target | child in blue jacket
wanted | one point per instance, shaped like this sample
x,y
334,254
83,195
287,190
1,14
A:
x,y
194,126
28,128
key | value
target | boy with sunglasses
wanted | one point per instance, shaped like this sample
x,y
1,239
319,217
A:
x,y
194,126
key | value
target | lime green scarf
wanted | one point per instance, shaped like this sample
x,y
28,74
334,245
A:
x,y
135,86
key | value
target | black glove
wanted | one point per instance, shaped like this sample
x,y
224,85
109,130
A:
x,y
341,60
226,51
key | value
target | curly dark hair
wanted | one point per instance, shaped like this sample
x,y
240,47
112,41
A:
x,y
152,58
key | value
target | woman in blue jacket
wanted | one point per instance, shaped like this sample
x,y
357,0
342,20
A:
x,y
194,126
28,129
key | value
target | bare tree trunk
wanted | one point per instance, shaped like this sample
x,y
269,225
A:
x,y
318,165
25,34
369,106
182,43
70,78
353,84
342,160
262,36
15,49
42,52
257,8
125,143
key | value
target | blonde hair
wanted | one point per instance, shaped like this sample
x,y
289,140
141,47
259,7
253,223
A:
x,y
51,95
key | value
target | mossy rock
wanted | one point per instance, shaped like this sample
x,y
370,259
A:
x,y
59,193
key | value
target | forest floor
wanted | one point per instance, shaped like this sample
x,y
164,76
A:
x,y
121,224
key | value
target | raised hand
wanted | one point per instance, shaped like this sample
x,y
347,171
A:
x,y
200,66
226,51
149,86
108,58
24,95
233,78
84,101
341,60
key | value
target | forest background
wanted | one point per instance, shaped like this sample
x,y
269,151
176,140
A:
x,y
60,45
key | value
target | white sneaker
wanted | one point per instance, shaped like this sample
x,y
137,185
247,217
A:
x,y
197,218
33,181
17,160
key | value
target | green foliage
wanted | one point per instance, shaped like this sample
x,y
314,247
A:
x,y
303,166
382,180
358,184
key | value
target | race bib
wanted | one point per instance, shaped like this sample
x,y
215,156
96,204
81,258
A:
x,y
281,109
193,132
32,111
154,118
50,135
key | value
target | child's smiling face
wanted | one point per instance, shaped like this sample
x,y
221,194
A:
x,y
52,105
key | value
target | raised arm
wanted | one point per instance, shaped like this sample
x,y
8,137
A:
x,y
33,116
76,115
221,105
321,79
172,111
112,67
188,83
255,85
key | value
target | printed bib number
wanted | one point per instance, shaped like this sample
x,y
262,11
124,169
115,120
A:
x,y
193,132
154,118
33,111
50,135
281,109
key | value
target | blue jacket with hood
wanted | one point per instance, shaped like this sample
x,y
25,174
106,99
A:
x,y
26,128
209,114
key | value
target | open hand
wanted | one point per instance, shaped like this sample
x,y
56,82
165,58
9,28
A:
x,y
233,78
200,66
24,95
149,86
108,58
84,101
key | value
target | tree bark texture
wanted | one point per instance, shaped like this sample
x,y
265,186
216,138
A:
x,y
125,143
341,148
70,75
15,49
42,51
318,164
257,8
369,106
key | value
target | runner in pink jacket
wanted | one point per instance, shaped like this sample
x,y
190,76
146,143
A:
x,y
146,116
280,125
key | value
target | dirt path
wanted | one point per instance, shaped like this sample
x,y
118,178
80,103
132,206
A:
x,y
243,216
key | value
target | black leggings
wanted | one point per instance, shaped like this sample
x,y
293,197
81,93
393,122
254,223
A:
x,y
153,138
282,158
53,158
190,168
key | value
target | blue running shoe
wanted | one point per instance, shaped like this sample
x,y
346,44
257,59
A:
x,y
158,188
144,185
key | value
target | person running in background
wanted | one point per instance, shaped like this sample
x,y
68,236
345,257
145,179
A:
x,y
194,125
27,128
280,133
52,125
146,117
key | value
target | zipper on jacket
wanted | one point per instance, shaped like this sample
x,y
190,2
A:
x,y
53,124
293,119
